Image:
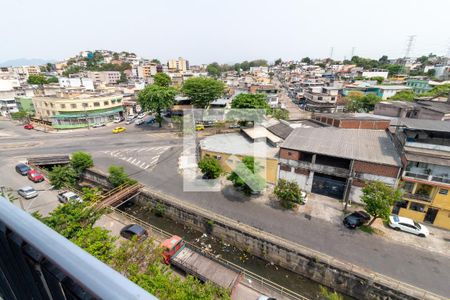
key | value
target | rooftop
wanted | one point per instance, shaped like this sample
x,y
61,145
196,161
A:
x,y
443,107
360,144
430,125
235,143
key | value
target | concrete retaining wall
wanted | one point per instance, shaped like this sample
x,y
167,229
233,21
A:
x,y
97,177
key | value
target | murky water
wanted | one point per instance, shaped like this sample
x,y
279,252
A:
x,y
279,275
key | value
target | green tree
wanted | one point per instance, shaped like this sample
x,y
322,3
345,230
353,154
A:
x,y
255,101
384,60
123,77
214,70
96,241
80,161
72,69
37,79
246,176
280,113
438,90
292,67
288,193
379,79
202,90
378,198
306,60
162,79
406,95
52,79
358,102
117,176
155,61
278,62
157,98
394,69
326,294
91,194
61,176
210,167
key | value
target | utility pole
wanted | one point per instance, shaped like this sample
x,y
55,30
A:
x,y
331,52
353,52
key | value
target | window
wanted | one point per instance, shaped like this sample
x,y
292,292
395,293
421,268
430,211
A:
x,y
408,187
51,104
85,105
46,104
73,105
96,104
63,106
119,100
113,101
443,191
402,204
417,207
106,103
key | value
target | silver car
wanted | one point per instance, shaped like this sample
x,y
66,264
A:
x,y
27,192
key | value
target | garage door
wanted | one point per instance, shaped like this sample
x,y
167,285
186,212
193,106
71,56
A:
x,y
327,185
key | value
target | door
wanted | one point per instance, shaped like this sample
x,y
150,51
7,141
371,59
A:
x,y
327,185
430,215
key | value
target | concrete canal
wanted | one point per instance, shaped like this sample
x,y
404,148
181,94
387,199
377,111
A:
x,y
216,247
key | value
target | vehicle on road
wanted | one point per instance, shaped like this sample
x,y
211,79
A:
x,y
139,122
27,192
264,297
22,169
356,219
408,225
199,127
118,120
129,121
28,126
133,230
65,197
234,126
97,125
118,129
131,117
35,176
150,120
141,115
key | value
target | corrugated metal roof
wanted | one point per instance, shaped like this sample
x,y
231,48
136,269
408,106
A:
x,y
359,144
421,124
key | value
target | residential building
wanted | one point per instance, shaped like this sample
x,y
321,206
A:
x,y
442,72
355,121
374,73
338,162
321,99
104,77
425,109
387,91
76,82
7,103
145,71
9,84
25,103
67,110
419,86
425,154
178,65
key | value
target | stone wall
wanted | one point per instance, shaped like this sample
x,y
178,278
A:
x,y
344,277
97,177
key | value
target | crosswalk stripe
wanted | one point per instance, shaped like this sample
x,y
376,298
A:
x,y
146,167
129,159
134,160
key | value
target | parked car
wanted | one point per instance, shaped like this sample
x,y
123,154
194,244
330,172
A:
x,y
141,115
129,121
234,126
118,129
408,225
65,197
139,122
28,126
150,120
35,176
27,192
97,125
22,169
264,297
199,127
132,230
131,117
356,219
118,120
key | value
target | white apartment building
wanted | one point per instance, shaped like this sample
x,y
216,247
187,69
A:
x,y
375,73
87,83
105,77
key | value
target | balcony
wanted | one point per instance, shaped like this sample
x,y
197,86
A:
x,y
420,197
330,170
427,177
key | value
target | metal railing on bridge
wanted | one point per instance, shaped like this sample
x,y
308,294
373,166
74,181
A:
x,y
38,263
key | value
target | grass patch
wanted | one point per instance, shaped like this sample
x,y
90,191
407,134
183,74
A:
x,y
367,229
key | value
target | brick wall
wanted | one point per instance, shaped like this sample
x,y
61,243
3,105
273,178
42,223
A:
x,y
358,183
285,168
289,154
375,169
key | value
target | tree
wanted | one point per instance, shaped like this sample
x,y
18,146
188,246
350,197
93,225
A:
x,y
61,176
358,102
37,79
214,70
280,113
306,60
255,101
278,62
80,161
157,98
71,70
384,60
325,294
52,79
378,198
117,176
210,167
155,61
406,95
162,79
394,69
96,241
91,194
288,193
123,77
246,176
379,79
438,90
203,91
292,67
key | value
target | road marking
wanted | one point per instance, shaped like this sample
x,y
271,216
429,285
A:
x,y
146,167
133,160
140,150
129,159
137,163
142,164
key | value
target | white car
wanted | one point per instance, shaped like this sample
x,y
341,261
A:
x,y
139,122
128,122
141,115
408,225
304,196
97,125
27,192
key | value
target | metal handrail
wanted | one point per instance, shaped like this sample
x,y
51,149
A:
x,y
246,273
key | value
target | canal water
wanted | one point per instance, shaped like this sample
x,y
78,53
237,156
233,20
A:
x,y
279,275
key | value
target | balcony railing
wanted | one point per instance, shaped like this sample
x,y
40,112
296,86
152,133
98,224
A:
x,y
38,263
427,177
426,198
330,170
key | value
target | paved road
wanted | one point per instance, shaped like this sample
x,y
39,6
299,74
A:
x,y
418,267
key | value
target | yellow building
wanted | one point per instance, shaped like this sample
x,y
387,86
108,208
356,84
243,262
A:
x,y
230,148
426,178
179,65
76,110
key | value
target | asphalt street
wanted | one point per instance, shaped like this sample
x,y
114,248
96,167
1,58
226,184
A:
x,y
160,152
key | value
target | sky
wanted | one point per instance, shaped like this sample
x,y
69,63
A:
x,y
225,31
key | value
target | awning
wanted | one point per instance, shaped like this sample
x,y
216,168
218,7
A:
x,y
428,159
